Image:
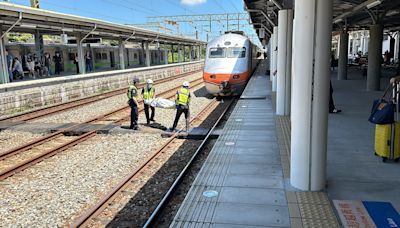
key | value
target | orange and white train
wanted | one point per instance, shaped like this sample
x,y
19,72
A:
x,y
230,61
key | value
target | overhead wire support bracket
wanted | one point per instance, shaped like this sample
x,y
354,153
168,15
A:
x,y
87,35
265,15
130,37
277,4
12,26
265,27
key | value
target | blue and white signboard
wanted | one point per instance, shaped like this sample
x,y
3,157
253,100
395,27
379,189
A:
x,y
367,214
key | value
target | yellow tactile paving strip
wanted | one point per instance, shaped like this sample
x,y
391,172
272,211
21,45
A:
x,y
306,209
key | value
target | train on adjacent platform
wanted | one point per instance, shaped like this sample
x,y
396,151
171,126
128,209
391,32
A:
x,y
230,61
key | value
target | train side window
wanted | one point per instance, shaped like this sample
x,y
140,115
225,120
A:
x,y
237,52
217,52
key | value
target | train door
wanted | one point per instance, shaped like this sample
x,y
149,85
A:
x,y
112,60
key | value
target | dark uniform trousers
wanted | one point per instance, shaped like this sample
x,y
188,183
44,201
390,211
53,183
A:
x,y
331,103
179,110
134,114
146,112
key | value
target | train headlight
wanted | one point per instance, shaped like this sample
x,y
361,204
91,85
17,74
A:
x,y
236,76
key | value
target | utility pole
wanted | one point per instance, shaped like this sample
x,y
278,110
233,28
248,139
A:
x,y
39,43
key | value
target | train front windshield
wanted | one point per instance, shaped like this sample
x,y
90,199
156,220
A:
x,y
217,52
237,52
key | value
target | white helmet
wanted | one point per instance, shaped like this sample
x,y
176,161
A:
x,y
185,84
149,81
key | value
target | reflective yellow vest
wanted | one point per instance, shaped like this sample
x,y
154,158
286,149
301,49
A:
x,y
132,92
148,94
182,96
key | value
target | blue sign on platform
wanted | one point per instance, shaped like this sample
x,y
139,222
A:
x,y
383,214
371,214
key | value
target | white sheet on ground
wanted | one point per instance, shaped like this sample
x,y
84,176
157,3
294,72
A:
x,y
160,103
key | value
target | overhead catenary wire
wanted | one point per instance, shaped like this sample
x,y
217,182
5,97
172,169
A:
x,y
121,20
149,9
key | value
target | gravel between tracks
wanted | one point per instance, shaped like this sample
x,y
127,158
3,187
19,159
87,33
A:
x,y
12,139
92,110
55,191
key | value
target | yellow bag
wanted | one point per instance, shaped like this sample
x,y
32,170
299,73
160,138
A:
x,y
387,141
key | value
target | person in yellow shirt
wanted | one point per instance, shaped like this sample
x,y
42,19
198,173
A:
x,y
133,96
182,105
149,93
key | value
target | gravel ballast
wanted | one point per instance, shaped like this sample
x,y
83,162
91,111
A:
x,y
86,112
57,190
12,139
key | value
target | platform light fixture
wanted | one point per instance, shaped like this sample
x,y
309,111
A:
x,y
67,30
373,4
27,26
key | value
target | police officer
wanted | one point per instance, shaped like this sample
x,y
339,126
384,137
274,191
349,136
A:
x,y
182,105
148,93
133,103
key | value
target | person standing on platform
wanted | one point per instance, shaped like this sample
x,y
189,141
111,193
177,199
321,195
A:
x,y
332,108
9,59
133,96
89,62
57,61
76,62
149,93
182,105
17,70
47,63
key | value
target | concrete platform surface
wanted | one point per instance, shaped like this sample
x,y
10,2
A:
x,y
354,172
243,170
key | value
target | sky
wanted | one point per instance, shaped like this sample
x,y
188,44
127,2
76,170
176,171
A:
x,y
137,11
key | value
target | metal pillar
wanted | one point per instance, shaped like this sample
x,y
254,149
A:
x,y
172,53
39,45
179,53
354,50
81,55
343,55
275,58
396,47
165,56
311,73
199,53
190,54
147,50
284,61
93,56
270,55
4,78
121,49
184,53
374,57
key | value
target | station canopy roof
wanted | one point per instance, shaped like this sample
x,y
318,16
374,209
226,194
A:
x,y
53,23
356,14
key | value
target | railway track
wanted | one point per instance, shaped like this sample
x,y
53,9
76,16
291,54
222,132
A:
x,y
115,196
53,109
20,158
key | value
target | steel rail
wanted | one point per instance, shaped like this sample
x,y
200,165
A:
x,y
23,165
174,186
110,196
50,110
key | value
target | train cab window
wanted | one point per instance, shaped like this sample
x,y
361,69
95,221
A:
x,y
217,52
236,52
